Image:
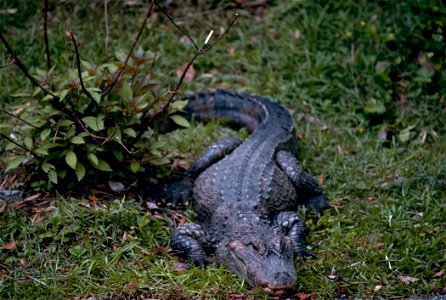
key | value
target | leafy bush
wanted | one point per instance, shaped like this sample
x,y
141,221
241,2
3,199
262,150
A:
x,y
81,134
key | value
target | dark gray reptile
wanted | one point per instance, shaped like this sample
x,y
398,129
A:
x,y
246,192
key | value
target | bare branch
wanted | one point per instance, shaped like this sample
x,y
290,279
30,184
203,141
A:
x,y
118,73
19,145
18,118
22,68
45,34
79,71
234,18
175,24
146,122
107,30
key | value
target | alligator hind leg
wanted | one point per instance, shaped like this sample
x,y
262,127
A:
x,y
180,191
308,191
189,240
294,227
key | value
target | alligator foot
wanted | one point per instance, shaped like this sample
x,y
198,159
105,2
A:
x,y
189,240
308,190
294,227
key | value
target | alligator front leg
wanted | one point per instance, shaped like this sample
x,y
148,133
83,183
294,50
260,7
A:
x,y
180,191
294,227
308,190
189,240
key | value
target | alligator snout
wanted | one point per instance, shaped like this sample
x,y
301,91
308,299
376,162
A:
x,y
281,283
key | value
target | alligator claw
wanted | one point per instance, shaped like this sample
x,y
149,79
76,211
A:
x,y
201,262
304,253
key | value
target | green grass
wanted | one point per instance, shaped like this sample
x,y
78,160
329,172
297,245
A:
x,y
343,79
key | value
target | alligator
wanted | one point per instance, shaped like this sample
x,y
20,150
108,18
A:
x,y
245,193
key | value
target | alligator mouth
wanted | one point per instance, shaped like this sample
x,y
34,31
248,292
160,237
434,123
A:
x,y
279,290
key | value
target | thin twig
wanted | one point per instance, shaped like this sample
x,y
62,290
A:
x,y
145,123
234,18
19,145
79,71
119,72
19,64
175,24
45,34
89,132
107,30
18,118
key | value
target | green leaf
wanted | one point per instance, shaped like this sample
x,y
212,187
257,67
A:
x,y
10,146
15,162
135,167
46,167
52,176
71,159
126,92
114,133
130,132
120,54
111,67
64,122
96,96
45,133
80,171
94,123
42,150
78,139
160,161
103,166
180,121
93,159
28,142
63,94
20,94
118,154
179,104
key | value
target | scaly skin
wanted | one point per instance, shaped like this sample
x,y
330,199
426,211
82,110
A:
x,y
245,193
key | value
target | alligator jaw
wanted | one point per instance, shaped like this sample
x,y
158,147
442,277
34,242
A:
x,y
279,290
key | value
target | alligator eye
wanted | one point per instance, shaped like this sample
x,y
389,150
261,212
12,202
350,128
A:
x,y
259,247
281,245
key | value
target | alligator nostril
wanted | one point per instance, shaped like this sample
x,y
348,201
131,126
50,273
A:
x,y
283,277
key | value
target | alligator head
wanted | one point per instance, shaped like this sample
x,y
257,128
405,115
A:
x,y
262,256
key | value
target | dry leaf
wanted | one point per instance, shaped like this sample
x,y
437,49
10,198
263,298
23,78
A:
x,y
423,135
159,250
180,163
93,198
179,266
377,288
190,73
302,296
439,274
321,179
9,246
131,285
297,34
407,279
23,262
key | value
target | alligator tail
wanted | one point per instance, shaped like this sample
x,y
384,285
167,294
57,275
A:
x,y
239,110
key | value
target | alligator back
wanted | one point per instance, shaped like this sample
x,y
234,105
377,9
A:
x,y
243,180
